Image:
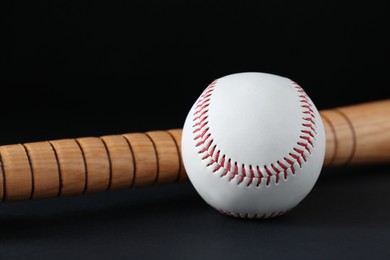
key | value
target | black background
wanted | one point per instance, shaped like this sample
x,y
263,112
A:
x,y
88,68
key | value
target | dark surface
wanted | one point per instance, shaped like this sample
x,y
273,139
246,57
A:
x,y
345,216
79,68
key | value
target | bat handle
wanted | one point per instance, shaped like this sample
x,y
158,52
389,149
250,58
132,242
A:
x,y
358,134
91,164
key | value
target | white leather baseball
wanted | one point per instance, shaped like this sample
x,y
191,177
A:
x,y
253,145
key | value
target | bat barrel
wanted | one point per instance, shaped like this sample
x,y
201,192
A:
x,y
358,134
91,164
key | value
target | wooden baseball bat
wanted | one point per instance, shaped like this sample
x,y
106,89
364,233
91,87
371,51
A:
x,y
358,134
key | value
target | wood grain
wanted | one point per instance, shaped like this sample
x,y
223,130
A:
x,y
46,179
71,167
145,159
176,135
358,134
121,161
17,176
97,165
167,156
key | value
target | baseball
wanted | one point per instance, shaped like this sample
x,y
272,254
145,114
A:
x,y
253,145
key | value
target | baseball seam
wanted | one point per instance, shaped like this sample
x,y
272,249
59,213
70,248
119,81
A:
x,y
253,215
253,174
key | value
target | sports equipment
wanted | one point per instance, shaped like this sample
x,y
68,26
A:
x,y
253,145
358,134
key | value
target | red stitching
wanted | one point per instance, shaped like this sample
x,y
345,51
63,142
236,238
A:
x,y
277,172
308,132
207,94
203,139
243,174
202,112
284,167
235,171
245,215
308,108
291,164
261,176
269,173
275,169
203,106
251,177
304,145
227,169
296,158
212,150
206,148
217,168
222,160
202,134
310,126
301,152
310,119
307,138
217,156
297,154
200,122
203,101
